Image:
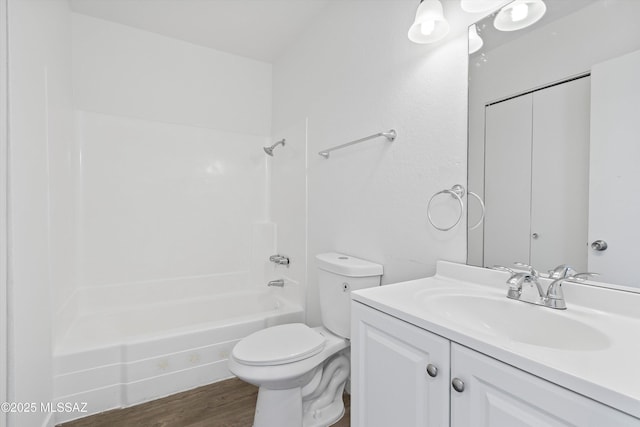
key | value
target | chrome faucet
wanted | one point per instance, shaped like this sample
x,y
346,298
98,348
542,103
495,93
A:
x,y
518,279
553,297
515,283
532,277
277,283
279,259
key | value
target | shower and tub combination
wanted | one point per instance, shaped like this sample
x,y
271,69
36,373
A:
x,y
156,228
128,343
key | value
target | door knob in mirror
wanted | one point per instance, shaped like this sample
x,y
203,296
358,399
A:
x,y
599,245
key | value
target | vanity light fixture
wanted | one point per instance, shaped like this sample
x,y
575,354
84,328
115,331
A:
x,y
475,41
430,24
519,14
477,6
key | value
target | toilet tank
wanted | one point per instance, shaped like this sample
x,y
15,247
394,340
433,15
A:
x,y
338,275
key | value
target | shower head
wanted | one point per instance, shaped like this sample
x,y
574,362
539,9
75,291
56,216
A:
x,y
269,150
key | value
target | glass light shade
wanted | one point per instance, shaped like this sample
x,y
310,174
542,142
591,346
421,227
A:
x,y
430,24
475,41
519,14
477,6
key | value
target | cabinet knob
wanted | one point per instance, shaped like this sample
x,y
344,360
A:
x,y
458,385
535,235
432,370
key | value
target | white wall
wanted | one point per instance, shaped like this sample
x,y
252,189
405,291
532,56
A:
x,y
40,135
128,72
355,73
173,175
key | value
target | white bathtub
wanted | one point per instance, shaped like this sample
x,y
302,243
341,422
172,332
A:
x,y
113,357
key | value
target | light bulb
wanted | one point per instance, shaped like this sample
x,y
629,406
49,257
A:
x,y
430,24
427,27
519,12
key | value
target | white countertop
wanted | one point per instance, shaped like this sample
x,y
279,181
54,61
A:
x,y
610,375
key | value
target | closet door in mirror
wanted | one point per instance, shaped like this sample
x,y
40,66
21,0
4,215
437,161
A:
x,y
560,175
507,181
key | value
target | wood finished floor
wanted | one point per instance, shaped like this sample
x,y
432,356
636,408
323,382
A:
x,y
227,403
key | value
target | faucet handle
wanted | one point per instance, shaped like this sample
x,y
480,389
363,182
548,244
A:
x,y
562,271
532,270
581,277
279,259
501,268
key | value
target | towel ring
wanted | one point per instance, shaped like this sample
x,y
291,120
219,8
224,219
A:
x,y
456,192
477,224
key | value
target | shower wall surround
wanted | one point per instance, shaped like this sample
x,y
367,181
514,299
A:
x,y
138,160
163,200
172,170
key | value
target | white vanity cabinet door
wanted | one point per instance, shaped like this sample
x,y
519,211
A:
x,y
390,385
498,395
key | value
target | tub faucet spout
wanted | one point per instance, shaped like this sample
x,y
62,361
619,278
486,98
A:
x,y
278,283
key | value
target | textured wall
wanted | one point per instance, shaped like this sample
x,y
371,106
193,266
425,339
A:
x,y
355,73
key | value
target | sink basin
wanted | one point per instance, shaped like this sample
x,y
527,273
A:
x,y
517,321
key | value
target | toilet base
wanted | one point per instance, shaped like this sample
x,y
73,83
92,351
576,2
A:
x,y
278,408
326,416
282,408
321,406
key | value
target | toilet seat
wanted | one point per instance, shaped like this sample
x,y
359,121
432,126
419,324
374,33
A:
x,y
279,345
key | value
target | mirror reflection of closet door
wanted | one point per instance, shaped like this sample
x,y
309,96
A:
x,y
614,203
560,175
536,175
507,187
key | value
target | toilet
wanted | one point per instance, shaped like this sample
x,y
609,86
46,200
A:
x,y
301,372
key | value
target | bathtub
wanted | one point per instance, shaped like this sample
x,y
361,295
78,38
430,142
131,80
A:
x,y
112,356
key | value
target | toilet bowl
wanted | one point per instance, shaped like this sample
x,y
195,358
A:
x,y
301,371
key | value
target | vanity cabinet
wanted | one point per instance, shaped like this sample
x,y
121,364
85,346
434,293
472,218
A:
x,y
391,385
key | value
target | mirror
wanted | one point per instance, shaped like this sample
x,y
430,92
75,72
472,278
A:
x,y
554,119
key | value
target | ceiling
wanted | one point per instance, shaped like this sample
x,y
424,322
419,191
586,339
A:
x,y
257,29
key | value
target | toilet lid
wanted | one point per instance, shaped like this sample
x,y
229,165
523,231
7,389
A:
x,y
278,345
